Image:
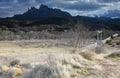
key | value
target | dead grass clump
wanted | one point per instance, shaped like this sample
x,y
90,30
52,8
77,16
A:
x,y
3,69
88,55
15,69
13,72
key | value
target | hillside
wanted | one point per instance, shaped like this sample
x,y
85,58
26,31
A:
x,y
46,22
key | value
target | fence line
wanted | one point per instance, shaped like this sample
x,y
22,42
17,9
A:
x,y
94,45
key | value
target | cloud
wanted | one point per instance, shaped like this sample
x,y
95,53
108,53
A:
x,y
77,5
108,1
112,13
11,7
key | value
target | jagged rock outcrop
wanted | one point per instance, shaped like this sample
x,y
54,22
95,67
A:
x,y
43,12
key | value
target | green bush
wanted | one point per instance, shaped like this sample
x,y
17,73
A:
x,y
114,55
109,42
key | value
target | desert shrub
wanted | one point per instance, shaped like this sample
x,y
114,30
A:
x,y
27,66
118,43
88,55
114,55
101,49
15,62
39,72
109,42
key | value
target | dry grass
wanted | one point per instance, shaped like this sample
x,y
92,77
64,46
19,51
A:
x,y
88,55
53,60
34,51
13,48
74,66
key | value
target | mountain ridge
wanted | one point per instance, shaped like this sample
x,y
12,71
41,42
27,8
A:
x,y
49,16
41,13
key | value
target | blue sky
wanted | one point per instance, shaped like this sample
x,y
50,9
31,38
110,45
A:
x,y
75,7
